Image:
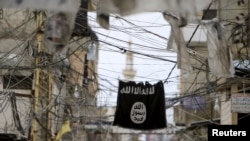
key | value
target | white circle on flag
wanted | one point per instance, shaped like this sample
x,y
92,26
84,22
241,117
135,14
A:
x,y
138,113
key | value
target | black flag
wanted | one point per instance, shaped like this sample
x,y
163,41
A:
x,y
140,106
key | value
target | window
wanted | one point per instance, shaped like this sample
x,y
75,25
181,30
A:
x,y
17,82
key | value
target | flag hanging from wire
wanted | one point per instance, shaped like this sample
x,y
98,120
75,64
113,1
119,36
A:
x,y
64,129
140,106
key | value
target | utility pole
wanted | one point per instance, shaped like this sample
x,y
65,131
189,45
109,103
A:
x,y
41,125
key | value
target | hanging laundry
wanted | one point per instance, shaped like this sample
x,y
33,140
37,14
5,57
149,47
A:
x,y
178,44
219,54
184,9
140,106
55,5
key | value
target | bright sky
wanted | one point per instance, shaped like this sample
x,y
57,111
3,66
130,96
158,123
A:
x,y
112,59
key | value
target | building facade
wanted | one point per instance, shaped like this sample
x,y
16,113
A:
x,y
41,90
216,89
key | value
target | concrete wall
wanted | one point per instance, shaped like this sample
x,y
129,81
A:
x,y
12,24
